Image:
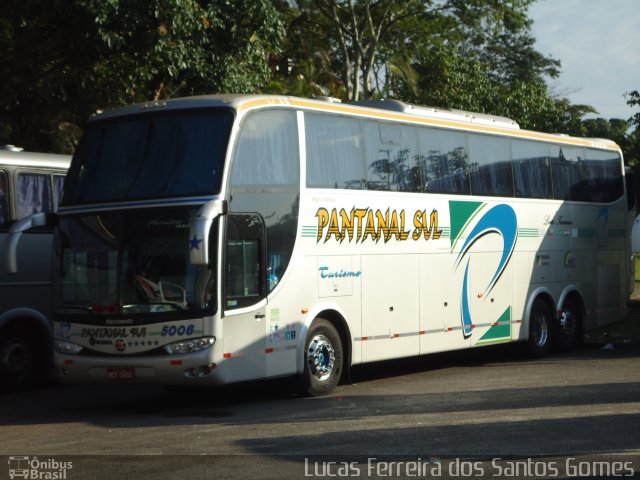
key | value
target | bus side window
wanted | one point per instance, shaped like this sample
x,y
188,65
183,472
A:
x,y
34,194
58,184
245,275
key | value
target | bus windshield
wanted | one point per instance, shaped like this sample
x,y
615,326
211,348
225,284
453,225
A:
x,y
150,155
129,262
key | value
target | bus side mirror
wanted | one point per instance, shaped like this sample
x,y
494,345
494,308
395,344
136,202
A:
x,y
200,228
15,232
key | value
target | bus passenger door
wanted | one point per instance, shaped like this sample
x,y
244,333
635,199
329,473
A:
x,y
244,276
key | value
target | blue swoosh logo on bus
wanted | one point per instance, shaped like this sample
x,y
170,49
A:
x,y
502,220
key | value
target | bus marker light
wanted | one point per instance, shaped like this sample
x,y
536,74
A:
x,y
305,310
175,362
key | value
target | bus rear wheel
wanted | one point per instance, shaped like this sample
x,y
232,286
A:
x,y
566,335
540,324
323,359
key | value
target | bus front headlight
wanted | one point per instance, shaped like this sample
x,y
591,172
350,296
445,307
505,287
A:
x,y
189,346
67,348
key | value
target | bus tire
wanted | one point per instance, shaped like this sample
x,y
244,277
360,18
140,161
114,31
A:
x,y
19,360
567,326
540,327
323,359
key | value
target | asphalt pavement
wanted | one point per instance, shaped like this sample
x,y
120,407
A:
x,y
620,334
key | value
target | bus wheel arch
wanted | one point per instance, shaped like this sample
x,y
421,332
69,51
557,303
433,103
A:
x,y
326,354
569,325
540,325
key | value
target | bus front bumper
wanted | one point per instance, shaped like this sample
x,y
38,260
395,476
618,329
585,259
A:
x,y
190,369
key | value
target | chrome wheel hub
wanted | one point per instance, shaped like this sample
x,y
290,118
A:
x,y
540,330
321,357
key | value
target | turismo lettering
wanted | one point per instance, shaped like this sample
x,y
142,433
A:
x,y
325,273
361,224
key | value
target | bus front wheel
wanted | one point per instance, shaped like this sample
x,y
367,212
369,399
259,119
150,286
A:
x,y
323,358
19,360
540,324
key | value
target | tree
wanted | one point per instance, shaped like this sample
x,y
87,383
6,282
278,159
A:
x,y
473,55
67,58
377,41
614,129
355,33
46,47
174,47
632,152
633,100
306,67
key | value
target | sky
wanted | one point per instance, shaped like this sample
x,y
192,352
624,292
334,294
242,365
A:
x,y
598,44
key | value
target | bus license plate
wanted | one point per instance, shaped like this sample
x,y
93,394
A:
x,y
125,373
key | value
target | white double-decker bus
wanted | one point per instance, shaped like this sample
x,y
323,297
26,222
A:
x,y
219,239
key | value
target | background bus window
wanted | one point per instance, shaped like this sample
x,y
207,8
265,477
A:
x,y
34,194
58,184
4,204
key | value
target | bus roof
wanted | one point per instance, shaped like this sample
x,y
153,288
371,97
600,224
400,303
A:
x,y
381,109
31,159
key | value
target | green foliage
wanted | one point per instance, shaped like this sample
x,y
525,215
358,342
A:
x,y
633,100
632,150
168,48
46,46
64,59
448,79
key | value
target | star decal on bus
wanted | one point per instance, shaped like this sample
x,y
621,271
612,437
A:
x,y
194,243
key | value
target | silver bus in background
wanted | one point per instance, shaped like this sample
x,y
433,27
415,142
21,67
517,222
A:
x,y
29,183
